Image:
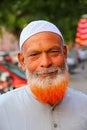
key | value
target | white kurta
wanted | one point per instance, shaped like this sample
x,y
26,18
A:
x,y
19,110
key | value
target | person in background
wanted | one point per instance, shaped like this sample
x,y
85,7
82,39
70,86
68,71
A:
x,y
9,86
8,58
3,81
82,57
46,102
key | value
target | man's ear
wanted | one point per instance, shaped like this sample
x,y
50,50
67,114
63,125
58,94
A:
x,y
65,51
21,61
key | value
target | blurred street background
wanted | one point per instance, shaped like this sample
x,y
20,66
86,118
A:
x,y
71,19
78,80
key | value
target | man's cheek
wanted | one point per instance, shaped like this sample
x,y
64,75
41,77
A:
x,y
59,62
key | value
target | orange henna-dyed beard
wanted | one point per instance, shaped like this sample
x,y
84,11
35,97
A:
x,y
52,93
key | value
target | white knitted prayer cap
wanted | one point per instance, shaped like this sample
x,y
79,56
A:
x,y
37,27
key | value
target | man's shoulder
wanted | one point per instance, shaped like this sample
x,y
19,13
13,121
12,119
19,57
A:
x,y
11,95
74,100
76,93
76,96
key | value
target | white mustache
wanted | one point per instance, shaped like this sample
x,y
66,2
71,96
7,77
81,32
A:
x,y
50,70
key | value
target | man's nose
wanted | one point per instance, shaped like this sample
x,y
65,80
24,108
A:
x,y
46,61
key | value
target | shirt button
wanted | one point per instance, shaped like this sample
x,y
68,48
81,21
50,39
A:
x,y
55,125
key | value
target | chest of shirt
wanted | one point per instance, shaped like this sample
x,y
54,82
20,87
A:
x,y
56,120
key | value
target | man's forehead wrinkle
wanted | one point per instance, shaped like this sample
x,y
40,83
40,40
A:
x,y
40,49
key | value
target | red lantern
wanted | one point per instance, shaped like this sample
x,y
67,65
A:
x,y
81,34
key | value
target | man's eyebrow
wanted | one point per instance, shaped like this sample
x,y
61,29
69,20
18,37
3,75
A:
x,y
55,47
33,51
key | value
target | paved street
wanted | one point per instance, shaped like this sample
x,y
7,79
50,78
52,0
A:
x,y
78,80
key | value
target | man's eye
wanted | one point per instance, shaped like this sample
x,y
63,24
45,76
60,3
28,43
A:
x,y
35,54
56,51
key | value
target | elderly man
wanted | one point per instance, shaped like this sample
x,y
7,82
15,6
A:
x,y
46,103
